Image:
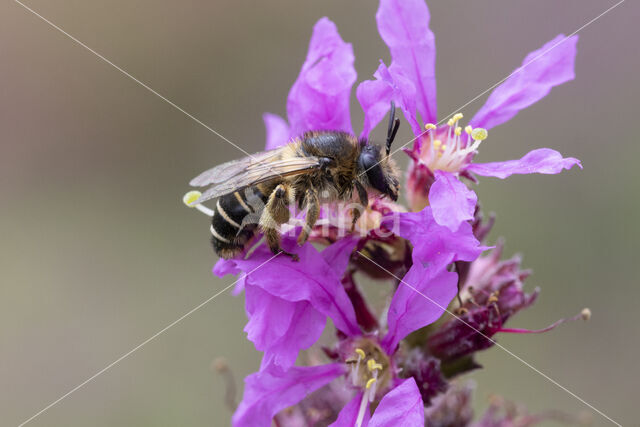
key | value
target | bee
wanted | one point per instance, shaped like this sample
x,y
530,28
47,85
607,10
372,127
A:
x,y
254,193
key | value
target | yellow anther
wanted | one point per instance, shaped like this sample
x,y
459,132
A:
x,y
585,314
360,352
429,126
456,117
450,122
458,130
190,198
372,365
437,143
468,129
479,134
370,383
444,147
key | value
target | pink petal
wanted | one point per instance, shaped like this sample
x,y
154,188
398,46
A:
x,y
337,255
277,131
311,279
280,328
452,202
549,66
375,97
542,160
402,406
404,27
319,98
434,245
269,391
420,300
224,267
349,414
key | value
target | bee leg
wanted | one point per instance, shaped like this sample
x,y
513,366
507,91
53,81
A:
x,y
313,210
363,198
273,241
275,213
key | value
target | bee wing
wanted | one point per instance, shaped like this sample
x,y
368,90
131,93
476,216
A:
x,y
223,172
262,172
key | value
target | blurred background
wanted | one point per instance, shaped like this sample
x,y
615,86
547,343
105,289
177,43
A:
x,y
98,253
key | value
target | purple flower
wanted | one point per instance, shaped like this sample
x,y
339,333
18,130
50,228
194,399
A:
x,y
319,98
286,316
445,153
288,303
269,391
492,293
369,360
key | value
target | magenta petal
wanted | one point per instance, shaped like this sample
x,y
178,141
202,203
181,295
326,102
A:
x,y
280,328
311,279
542,160
434,245
349,414
404,27
402,406
549,66
452,201
375,97
337,255
421,298
319,98
269,391
224,267
277,131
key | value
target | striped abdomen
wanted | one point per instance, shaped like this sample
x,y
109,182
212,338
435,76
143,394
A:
x,y
234,221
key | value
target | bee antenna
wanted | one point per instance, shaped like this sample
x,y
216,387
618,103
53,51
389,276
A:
x,y
394,124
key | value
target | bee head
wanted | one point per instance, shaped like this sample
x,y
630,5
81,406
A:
x,y
379,170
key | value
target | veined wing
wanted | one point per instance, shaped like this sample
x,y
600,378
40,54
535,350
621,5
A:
x,y
223,172
261,173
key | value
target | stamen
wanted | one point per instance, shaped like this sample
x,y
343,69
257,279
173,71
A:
x,y
363,407
191,197
373,365
373,385
355,369
493,297
479,134
448,150
585,315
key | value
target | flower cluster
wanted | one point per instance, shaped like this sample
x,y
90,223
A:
x,y
397,364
